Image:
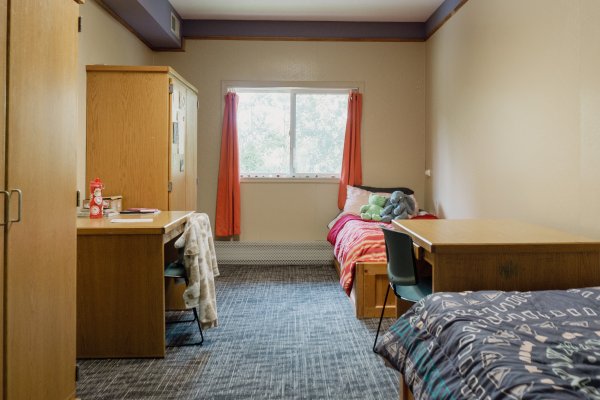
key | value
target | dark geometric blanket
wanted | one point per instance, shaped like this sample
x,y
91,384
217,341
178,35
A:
x,y
499,345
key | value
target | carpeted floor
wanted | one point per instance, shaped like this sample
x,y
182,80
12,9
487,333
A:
x,y
284,333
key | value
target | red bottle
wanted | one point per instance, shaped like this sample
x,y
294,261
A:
x,y
96,187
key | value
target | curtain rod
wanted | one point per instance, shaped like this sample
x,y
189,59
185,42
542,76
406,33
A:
x,y
233,89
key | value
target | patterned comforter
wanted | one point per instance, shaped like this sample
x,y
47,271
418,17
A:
x,y
355,240
499,345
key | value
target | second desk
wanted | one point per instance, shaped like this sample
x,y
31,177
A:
x,y
503,255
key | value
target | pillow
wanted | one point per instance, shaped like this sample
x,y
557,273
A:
x,y
357,197
332,223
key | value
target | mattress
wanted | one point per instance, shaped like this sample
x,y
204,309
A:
x,y
499,345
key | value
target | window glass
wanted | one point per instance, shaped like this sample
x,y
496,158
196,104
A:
x,y
263,133
291,132
320,129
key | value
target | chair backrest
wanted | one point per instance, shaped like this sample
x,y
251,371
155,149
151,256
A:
x,y
401,264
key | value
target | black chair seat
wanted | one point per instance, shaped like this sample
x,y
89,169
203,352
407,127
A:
x,y
413,293
175,270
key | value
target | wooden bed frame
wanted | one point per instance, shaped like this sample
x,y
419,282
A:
x,y
368,290
403,390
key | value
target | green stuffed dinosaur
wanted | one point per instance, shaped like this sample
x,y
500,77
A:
x,y
372,210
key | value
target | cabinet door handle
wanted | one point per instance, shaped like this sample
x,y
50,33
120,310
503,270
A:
x,y
7,195
20,205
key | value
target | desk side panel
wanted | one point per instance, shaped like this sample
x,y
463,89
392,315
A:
x,y
120,296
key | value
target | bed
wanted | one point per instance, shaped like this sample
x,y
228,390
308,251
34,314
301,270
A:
x,y
360,261
498,345
359,251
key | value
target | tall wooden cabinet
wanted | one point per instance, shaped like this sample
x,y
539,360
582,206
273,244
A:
x,y
38,60
141,135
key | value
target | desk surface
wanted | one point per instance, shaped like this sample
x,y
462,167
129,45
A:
x,y
466,234
161,223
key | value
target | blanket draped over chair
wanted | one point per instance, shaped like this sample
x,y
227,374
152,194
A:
x,y
201,268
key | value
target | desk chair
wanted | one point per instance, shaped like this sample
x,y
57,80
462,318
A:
x,y
177,270
402,271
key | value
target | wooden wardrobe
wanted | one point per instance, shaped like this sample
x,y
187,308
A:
x,y
38,89
141,135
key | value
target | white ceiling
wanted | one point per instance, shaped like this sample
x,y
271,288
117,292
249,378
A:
x,y
308,10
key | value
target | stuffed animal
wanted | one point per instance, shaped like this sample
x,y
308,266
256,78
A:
x,y
399,206
372,210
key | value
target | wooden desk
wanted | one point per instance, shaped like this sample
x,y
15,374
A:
x,y
503,255
120,284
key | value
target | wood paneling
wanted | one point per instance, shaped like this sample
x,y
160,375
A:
x,y
371,284
368,290
40,252
127,139
120,306
3,36
502,270
403,390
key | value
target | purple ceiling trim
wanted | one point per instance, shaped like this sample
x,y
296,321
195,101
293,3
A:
x,y
150,19
439,16
401,31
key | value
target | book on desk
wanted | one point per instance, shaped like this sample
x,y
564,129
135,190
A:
x,y
140,211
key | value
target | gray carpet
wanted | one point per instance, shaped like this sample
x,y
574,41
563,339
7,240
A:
x,y
284,333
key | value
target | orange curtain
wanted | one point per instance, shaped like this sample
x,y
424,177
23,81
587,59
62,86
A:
x,y
227,221
351,164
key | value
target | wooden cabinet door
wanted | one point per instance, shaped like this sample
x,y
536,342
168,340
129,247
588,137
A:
x,y
191,160
127,139
41,247
3,35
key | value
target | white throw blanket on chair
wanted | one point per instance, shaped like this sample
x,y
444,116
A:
x,y
201,268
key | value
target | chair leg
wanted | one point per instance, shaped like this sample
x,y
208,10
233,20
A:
x,y
381,318
199,325
196,319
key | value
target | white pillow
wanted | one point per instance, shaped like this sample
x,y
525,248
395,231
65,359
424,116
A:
x,y
332,223
356,198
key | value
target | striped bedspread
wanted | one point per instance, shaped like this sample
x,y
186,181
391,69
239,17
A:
x,y
354,241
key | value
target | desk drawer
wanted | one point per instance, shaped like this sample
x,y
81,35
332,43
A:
x,y
516,271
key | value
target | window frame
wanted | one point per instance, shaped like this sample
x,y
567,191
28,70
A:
x,y
293,90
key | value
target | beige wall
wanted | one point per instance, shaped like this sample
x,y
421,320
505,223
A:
x,y
513,121
393,78
102,40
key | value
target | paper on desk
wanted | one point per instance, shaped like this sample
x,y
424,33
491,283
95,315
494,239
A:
x,y
131,221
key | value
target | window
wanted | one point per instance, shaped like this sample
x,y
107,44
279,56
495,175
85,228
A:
x,y
291,132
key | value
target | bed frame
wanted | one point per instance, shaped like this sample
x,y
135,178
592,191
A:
x,y
368,290
403,390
